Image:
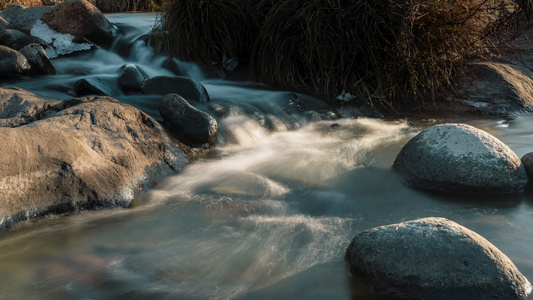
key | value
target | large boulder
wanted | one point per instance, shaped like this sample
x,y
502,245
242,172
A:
x,y
38,60
460,158
81,153
188,88
434,258
193,127
12,63
130,78
80,18
22,18
17,40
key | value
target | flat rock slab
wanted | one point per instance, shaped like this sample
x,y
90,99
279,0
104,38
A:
x,y
22,18
434,258
81,153
460,158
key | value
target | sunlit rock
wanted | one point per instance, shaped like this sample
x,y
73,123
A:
x,y
460,158
193,126
80,18
188,88
12,63
38,60
61,156
434,258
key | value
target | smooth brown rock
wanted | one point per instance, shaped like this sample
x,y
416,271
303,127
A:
x,y
81,153
80,18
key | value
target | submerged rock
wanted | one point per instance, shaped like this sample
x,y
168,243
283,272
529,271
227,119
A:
x,y
93,86
460,158
80,153
38,60
12,63
80,18
193,126
434,258
130,78
188,88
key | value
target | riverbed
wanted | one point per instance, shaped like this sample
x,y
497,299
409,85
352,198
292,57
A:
x,y
266,214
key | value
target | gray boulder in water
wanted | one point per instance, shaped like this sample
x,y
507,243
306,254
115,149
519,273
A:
x,y
192,126
39,61
61,156
188,88
434,258
12,63
130,78
460,158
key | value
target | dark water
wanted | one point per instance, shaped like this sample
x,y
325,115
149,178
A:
x,y
268,215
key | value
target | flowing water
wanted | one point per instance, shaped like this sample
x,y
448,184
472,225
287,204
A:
x,y
267,214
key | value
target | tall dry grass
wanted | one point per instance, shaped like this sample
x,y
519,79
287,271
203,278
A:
x,y
399,52
376,50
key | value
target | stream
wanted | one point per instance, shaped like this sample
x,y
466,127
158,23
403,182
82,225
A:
x,y
267,214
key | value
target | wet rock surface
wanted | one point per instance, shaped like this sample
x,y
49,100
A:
x,y
193,126
188,88
131,78
434,258
38,60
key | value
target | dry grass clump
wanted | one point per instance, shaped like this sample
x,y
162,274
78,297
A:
x,y
388,51
113,6
208,32
373,49
26,3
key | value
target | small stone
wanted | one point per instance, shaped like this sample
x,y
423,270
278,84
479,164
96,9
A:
x,y
195,127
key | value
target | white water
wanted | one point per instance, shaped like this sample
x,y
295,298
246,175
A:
x,y
265,215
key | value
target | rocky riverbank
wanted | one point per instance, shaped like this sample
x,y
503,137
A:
x,y
60,156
